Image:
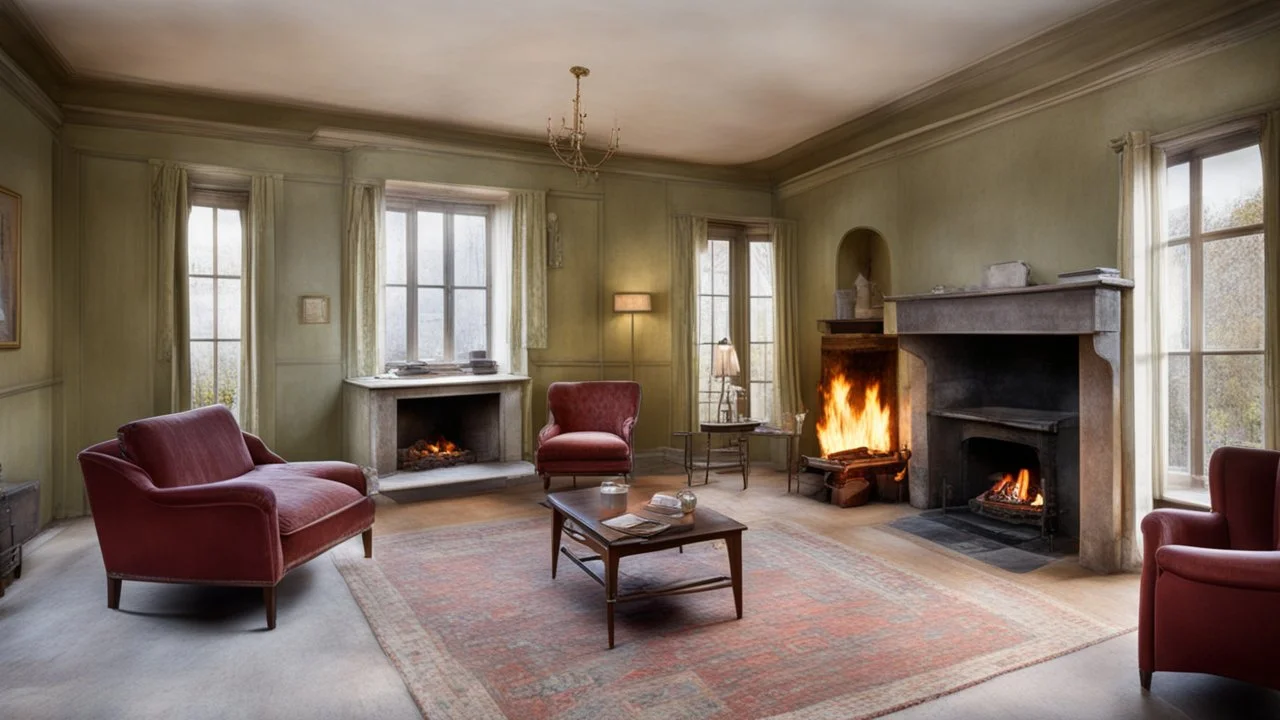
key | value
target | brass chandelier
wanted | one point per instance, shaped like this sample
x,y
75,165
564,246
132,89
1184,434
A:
x,y
567,144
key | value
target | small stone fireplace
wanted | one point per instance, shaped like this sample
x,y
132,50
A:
x,y
437,432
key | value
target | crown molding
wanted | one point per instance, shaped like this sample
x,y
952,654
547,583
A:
x,y
1092,52
29,93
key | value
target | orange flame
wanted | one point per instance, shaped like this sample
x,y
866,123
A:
x,y
441,446
845,427
1016,490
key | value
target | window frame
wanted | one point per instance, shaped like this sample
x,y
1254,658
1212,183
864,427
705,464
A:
x,y
411,206
1196,475
217,199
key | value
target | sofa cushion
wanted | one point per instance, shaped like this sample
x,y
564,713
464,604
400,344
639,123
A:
x,y
187,448
583,446
303,500
342,472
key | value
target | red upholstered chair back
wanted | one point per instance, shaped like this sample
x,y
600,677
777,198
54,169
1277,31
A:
x,y
188,448
1243,487
600,406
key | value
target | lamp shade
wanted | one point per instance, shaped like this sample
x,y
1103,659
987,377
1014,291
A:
x,y
632,302
724,363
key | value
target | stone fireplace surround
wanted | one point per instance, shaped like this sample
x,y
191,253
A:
x,y
955,336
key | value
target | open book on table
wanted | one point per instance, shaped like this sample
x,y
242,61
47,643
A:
x,y
633,524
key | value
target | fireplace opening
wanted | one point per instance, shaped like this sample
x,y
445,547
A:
x,y
1008,478
439,432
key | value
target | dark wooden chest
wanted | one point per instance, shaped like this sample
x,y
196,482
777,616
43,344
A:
x,y
19,520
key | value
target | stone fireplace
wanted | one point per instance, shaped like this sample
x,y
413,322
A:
x,y
1008,380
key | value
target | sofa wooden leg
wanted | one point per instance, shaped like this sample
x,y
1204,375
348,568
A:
x,y
269,599
1144,676
113,592
546,483
367,536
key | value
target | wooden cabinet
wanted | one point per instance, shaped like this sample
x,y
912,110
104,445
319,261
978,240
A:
x,y
19,519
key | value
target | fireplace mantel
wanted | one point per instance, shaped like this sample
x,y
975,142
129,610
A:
x,y
1081,308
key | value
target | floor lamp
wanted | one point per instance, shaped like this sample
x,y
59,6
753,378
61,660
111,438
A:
x,y
632,303
724,365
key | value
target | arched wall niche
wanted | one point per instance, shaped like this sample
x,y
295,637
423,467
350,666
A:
x,y
864,251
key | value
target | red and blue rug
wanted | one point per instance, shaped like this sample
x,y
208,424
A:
x,y
478,629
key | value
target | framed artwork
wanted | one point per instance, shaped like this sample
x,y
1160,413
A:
x,y
10,269
313,309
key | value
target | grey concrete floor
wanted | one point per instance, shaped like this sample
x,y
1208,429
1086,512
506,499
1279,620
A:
x,y
197,652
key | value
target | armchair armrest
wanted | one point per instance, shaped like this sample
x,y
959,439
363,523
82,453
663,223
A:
x,y
547,432
1246,569
1183,527
259,452
628,429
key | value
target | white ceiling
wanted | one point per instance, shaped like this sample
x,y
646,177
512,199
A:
x,y
715,81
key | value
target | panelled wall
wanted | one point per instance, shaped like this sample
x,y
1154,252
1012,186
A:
x,y
1042,188
615,236
29,386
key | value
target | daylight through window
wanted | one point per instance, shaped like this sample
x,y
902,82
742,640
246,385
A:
x,y
215,242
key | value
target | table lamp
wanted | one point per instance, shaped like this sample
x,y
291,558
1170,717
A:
x,y
724,365
632,303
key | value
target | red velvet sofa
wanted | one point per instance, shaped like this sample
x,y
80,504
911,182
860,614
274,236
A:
x,y
589,429
1211,580
189,498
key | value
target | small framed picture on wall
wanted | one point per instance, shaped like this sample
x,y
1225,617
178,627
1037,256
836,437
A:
x,y
313,309
10,269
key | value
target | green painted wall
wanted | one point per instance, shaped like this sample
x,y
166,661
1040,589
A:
x,y
28,379
1041,188
615,234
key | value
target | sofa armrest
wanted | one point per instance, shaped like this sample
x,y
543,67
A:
x,y
259,452
547,432
1245,569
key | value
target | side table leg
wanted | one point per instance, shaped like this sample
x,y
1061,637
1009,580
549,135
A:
x,y
733,543
706,478
610,589
557,527
744,448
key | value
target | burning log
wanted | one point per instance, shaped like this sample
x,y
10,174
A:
x,y
424,455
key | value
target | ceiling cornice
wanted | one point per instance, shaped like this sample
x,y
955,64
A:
x,y
1094,51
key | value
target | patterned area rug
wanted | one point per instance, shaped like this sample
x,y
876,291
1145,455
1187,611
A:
x,y
477,627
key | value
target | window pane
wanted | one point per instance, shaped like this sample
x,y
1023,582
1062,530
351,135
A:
x,y
705,331
470,322
230,237
469,250
396,324
1179,438
1233,293
397,249
720,267
762,362
1177,200
762,401
1175,311
761,268
228,309
1233,392
704,366
762,319
430,324
1232,189
200,241
229,375
202,374
430,248
200,308
704,272
720,318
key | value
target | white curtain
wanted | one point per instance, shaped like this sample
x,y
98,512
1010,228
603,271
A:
x,y
1271,225
522,231
1141,232
786,373
688,241
170,207
362,278
265,195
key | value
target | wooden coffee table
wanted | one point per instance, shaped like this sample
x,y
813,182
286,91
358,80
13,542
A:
x,y
587,509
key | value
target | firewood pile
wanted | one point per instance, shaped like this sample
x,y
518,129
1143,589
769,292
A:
x,y
853,475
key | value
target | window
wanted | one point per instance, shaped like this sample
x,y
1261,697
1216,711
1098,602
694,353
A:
x,y
215,244
436,292
735,301
1212,312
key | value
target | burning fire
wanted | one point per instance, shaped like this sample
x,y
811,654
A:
x,y
1017,491
441,446
845,427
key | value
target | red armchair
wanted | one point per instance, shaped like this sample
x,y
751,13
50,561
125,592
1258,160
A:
x,y
588,430
189,498
1211,581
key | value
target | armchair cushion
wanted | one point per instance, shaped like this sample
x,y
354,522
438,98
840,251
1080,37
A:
x,y
586,445
190,448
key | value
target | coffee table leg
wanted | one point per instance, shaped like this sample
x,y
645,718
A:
x,y
610,589
557,526
734,544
